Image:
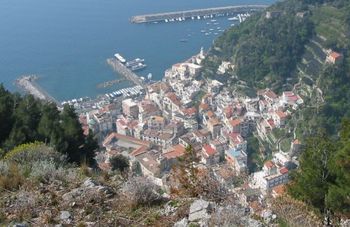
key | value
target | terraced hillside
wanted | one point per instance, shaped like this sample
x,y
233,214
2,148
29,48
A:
x,y
289,50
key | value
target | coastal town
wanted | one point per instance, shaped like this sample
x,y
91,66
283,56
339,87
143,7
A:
x,y
155,127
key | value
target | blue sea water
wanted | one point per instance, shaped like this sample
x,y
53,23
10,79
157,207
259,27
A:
x,y
67,42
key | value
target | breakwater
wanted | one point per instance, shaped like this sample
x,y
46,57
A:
x,y
197,13
27,84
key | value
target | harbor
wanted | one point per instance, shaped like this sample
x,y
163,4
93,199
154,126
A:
x,y
197,14
28,84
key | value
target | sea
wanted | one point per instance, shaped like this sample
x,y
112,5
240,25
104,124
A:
x,y
66,42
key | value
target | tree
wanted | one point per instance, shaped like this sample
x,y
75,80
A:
x,y
312,180
6,111
338,196
120,163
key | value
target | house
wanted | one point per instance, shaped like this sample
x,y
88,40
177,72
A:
x,y
249,195
147,108
156,123
334,58
210,155
130,108
270,176
279,118
171,102
171,155
272,14
238,159
214,86
269,96
236,141
150,165
202,136
214,126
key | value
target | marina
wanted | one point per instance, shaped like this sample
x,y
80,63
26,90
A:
x,y
197,13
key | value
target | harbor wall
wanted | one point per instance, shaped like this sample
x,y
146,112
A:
x,y
223,11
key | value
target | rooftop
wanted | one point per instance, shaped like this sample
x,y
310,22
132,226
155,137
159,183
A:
x,y
175,152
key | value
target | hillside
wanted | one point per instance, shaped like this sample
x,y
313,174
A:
x,y
302,46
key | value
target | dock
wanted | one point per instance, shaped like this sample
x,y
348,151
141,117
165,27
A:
x,y
28,84
197,13
124,71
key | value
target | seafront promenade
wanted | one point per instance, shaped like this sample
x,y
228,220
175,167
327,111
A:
x,y
197,13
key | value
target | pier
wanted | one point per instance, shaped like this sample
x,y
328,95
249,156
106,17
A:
x,y
198,13
28,84
124,71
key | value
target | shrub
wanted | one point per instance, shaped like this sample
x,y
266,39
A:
x,y
141,191
120,163
11,177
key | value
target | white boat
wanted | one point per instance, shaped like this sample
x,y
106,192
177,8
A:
x,y
166,20
119,58
213,20
198,17
192,18
203,31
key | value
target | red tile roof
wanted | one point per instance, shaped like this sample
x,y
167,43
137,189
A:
x,y
172,96
281,114
175,152
269,164
203,106
335,55
283,170
190,111
271,94
209,150
235,122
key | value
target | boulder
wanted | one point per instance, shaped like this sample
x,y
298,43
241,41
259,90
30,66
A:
x,y
199,210
65,215
182,223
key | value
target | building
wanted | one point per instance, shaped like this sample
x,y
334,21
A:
x,y
130,108
156,123
279,118
272,14
238,159
214,126
270,177
210,155
334,58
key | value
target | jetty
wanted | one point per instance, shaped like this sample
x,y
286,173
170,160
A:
x,y
124,71
109,83
29,85
197,13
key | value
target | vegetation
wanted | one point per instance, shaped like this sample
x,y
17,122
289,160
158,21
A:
x,y
26,119
263,50
267,51
323,179
120,163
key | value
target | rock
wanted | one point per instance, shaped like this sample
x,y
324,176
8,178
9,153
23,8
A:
x,y
20,225
69,196
199,210
182,223
198,205
65,215
89,183
90,224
